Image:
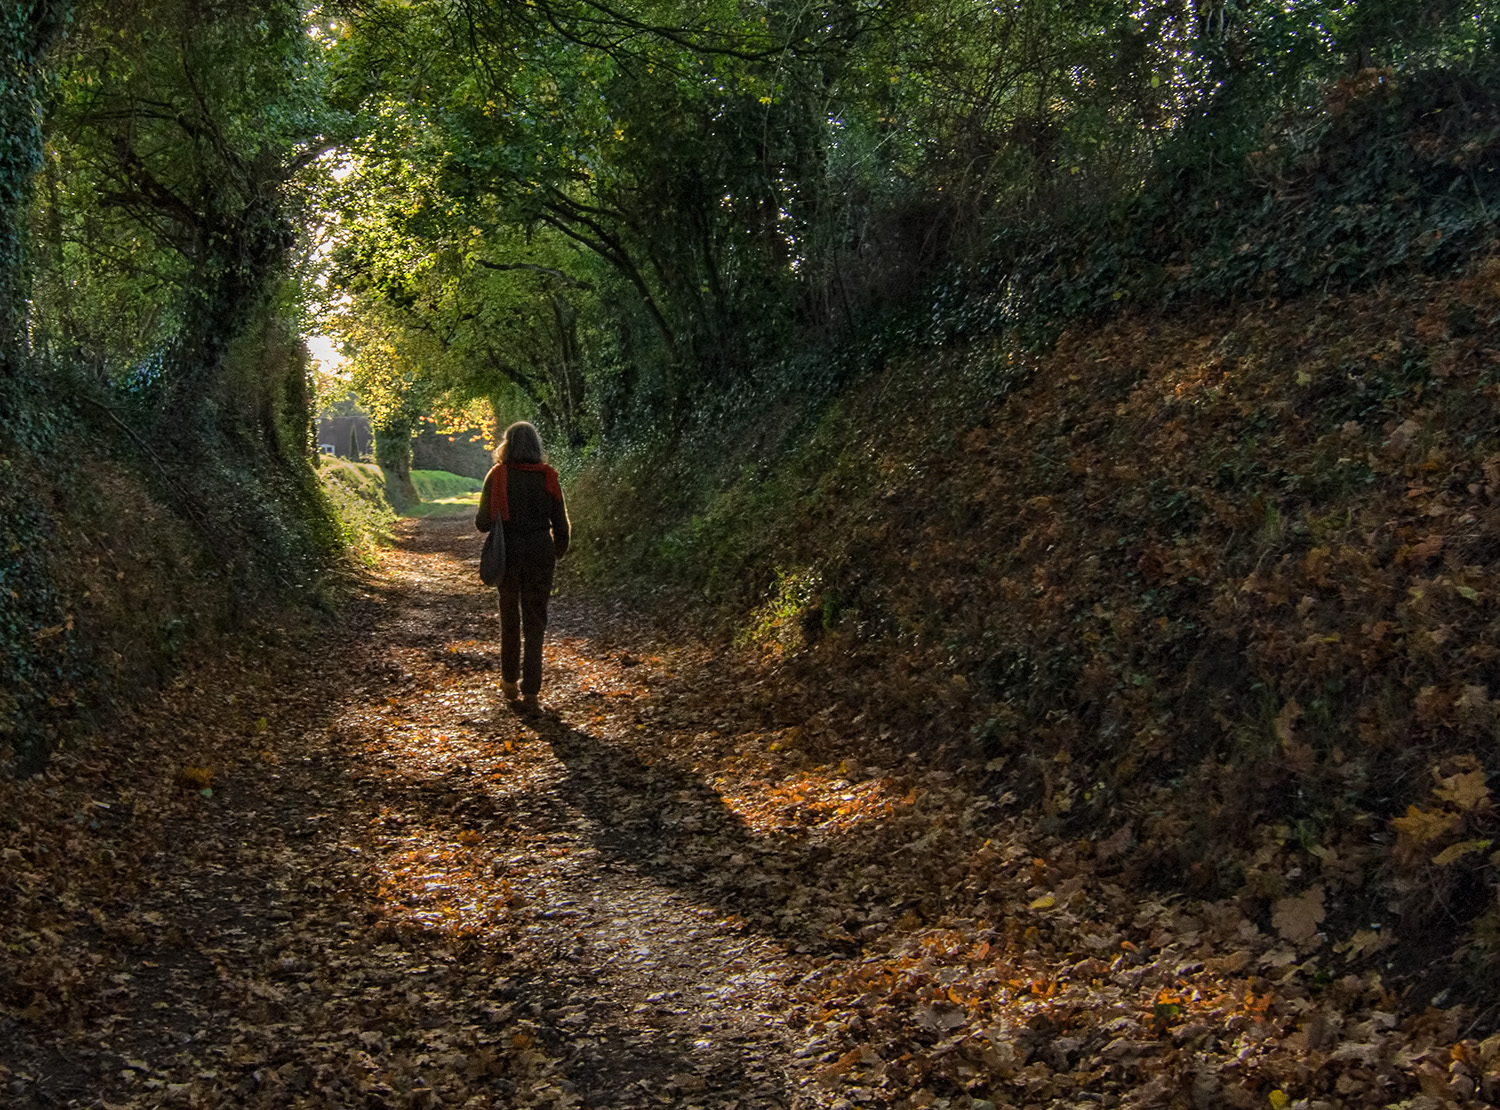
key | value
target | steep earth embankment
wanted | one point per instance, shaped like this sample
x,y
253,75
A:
x,y
1216,594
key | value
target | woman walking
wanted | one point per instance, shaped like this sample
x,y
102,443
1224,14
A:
x,y
522,495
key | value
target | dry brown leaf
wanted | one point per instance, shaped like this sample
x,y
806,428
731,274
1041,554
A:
x,y
940,1017
1467,791
1367,941
1286,722
1231,964
1297,918
1113,844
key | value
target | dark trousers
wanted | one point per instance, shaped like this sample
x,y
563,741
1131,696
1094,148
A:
x,y
523,614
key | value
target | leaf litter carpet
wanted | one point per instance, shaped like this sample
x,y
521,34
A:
x,y
336,869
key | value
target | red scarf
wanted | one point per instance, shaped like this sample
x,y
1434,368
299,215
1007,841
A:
x,y
500,503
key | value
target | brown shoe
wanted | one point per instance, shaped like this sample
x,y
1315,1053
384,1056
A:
x,y
529,704
510,689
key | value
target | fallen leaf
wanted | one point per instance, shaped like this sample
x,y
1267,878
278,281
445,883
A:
x,y
1455,852
940,1017
1422,826
1466,791
1297,918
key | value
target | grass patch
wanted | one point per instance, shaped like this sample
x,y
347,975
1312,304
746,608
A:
x,y
443,493
357,492
444,488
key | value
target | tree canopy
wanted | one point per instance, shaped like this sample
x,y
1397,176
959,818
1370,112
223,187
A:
x,y
597,212
600,213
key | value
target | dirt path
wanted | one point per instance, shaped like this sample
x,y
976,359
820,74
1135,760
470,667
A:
x,y
398,893
335,870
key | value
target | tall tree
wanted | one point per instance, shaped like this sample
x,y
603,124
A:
x,y
175,132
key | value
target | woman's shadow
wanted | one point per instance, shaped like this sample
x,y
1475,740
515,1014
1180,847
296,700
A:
x,y
669,825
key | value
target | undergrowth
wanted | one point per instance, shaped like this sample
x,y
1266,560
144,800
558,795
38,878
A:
x,y
356,495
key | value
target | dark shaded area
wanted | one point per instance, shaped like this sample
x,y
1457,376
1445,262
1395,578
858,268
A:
x,y
674,828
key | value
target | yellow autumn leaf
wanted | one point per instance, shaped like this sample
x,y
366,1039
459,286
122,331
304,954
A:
x,y
1456,852
1423,826
1279,1099
1045,902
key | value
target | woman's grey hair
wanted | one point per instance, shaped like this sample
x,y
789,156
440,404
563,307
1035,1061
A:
x,y
522,443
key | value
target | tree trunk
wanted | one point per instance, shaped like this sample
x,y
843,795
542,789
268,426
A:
x,y
393,454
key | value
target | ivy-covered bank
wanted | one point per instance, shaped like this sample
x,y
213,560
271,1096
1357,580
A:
x,y
154,412
28,602
1391,178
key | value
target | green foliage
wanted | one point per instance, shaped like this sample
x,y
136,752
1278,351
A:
x,y
173,131
37,667
356,494
27,31
1391,174
612,219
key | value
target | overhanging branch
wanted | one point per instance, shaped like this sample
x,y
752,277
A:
x,y
566,278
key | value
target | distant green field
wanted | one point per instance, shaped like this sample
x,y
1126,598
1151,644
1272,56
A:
x,y
446,488
443,493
